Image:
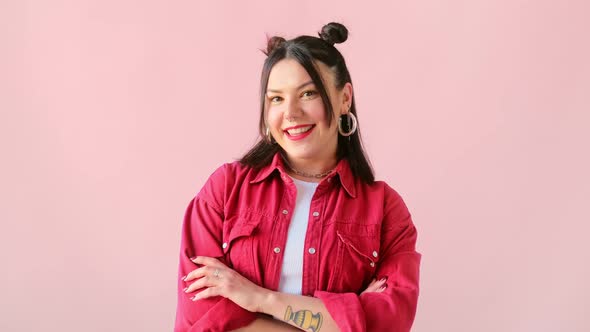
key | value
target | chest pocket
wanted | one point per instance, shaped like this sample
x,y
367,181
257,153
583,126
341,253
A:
x,y
357,257
238,245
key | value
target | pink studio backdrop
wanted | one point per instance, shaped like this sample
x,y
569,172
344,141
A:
x,y
113,114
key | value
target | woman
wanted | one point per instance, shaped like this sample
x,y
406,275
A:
x,y
298,235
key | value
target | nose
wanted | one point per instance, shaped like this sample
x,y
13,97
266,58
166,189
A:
x,y
292,109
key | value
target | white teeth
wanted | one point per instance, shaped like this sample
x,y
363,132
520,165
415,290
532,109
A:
x,y
298,130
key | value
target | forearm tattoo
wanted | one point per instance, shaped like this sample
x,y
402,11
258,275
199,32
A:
x,y
305,319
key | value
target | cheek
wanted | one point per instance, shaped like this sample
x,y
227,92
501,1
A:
x,y
273,117
316,112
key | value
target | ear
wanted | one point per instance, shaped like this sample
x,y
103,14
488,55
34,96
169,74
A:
x,y
346,98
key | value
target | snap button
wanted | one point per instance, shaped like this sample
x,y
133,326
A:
x,y
224,245
311,251
372,264
285,211
316,214
277,250
375,254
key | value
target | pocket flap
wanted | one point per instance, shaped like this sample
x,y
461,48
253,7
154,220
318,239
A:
x,y
363,239
240,229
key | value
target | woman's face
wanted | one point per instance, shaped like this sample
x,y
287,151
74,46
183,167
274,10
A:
x,y
295,113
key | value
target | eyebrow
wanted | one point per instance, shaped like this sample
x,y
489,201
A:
x,y
299,87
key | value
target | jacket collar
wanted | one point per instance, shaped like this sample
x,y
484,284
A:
x,y
342,170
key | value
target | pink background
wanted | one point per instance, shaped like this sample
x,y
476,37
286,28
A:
x,y
113,114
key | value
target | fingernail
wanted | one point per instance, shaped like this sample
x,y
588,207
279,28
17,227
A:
x,y
183,278
193,258
194,298
184,290
382,279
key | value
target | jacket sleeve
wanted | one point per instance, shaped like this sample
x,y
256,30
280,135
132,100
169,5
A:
x,y
201,236
395,308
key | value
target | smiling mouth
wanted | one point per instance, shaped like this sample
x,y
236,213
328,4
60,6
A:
x,y
299,130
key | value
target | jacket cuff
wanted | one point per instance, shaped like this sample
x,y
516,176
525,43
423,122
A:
x,y
345,309
225,315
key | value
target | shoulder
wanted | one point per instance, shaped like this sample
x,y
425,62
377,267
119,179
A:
x,y
390,194
228,173
394,206
227,176
379,189
220,181
221,172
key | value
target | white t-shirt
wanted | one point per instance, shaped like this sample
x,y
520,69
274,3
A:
x,y
292,270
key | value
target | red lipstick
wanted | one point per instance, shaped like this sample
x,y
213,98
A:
x,y
298,136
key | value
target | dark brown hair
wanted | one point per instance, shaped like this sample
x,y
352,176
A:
x,y
306,49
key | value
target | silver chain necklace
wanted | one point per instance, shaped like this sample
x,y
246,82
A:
x,y
308,175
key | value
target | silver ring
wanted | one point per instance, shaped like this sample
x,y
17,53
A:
x,y
216,273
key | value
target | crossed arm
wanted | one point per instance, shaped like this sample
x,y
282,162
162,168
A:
x,y
226,301
290,312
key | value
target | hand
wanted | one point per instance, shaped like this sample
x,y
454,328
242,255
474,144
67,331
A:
x,y
219,280
376,286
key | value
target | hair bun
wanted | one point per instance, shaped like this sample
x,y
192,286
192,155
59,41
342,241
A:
x,y
334,33
272,43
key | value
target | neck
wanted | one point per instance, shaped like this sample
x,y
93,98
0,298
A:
x,y
307,169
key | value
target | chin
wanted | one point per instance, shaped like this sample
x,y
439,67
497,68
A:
x,y
309,154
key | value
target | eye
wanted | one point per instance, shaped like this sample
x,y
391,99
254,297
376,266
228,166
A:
x,y
309,93
274,99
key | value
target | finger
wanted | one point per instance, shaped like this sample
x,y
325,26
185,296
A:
x,y
206,293
199,273
368,290
381,289
375,285
203,282
372,282
372,287
209,261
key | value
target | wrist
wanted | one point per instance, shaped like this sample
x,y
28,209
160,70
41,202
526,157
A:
x,y
267,300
